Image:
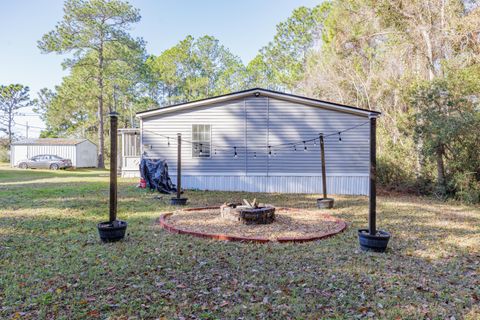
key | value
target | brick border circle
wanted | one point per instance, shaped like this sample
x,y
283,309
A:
x,y
162,221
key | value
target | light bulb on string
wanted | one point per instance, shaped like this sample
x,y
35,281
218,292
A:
x,y
235,155
339,136
215,151
304,146
269,151
255,155
201,150
294,147
168,143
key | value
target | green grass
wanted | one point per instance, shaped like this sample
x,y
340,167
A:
x,y
52,264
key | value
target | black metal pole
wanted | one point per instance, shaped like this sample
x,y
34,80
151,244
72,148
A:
x,y
324,174
179,165
113,165
372,217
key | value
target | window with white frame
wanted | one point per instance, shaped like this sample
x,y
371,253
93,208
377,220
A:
x,y
201,140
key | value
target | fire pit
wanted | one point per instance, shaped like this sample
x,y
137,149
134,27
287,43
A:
x,y
248,213
291,225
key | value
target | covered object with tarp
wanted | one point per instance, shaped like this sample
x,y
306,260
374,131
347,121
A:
x,y
155,173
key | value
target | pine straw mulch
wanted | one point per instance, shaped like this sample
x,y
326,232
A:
x,y
289,223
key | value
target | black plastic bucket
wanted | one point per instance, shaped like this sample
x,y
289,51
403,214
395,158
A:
x,y
178,201
376,243
112,231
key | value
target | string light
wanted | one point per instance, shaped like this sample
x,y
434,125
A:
x,y
255,155
235,155
271,149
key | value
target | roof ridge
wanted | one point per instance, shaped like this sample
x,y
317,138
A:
x,y
267,91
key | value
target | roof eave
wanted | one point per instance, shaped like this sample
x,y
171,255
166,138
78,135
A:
x,y
256,92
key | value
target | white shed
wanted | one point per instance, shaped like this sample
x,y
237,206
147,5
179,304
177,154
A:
x,y
82,152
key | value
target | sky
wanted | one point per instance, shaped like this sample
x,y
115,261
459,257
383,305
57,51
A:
x,y
243,26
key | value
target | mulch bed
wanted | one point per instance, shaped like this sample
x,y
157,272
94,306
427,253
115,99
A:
x,y
290,225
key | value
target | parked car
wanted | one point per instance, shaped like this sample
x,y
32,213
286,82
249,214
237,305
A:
x,y
46,161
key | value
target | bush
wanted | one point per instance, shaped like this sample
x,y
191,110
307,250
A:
x,y
466,186
395,163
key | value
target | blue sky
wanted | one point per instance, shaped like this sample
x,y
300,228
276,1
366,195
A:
x,y
243,26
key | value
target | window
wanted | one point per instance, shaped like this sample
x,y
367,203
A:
x,y
201,138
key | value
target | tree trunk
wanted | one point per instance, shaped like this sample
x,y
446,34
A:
x,y
420,161
429,54
10,120
101,138
441,181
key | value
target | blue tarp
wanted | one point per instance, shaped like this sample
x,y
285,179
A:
x,y
155,173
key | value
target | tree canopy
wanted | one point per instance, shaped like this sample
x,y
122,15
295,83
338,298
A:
x,y
12,98
415,61
96,33
195,69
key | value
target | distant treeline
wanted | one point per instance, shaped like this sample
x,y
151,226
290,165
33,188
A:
x,y
415,61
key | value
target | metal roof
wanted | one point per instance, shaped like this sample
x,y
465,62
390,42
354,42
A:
x,y
259,92
49,142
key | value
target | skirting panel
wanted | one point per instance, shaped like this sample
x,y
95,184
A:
x,y
351,185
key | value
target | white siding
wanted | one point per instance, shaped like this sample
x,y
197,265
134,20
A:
x,y
17,154
227,125
251,124
257,135
86,154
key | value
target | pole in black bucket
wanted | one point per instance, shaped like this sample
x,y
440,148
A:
x,y
324,203
372,239
114,229
179,201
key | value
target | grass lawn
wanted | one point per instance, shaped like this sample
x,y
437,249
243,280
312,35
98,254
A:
x,y
52,264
